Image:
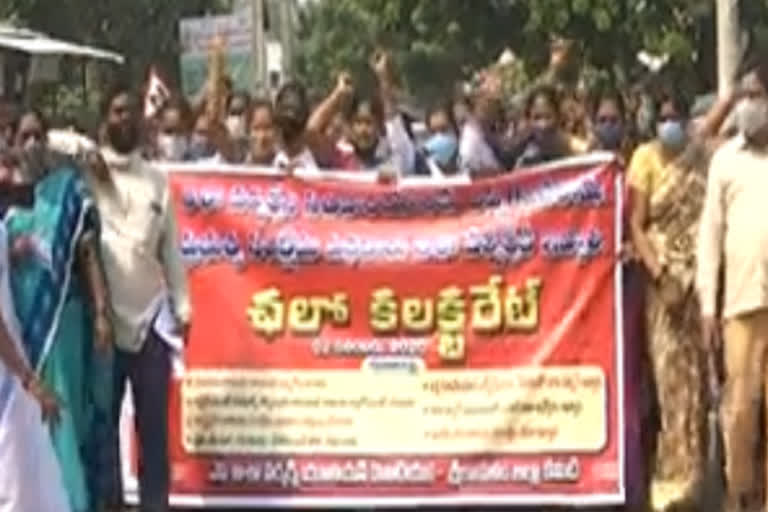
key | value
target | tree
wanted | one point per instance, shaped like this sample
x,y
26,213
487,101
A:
x,y
432,41
439,41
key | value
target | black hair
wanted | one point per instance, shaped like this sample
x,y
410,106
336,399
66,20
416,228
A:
x,y
243,95
294,88
358,101
607,93
548,93
180,104
674,97
117,89
441,107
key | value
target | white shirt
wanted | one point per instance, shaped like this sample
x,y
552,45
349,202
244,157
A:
x,y
734,231
139,246
475,155
304,161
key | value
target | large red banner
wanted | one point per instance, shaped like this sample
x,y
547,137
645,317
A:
x,y
359,344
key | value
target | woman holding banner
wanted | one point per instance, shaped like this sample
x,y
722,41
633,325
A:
x,y
60,297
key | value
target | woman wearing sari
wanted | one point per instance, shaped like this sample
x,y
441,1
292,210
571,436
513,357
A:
x,y
60,296
667,179
31,478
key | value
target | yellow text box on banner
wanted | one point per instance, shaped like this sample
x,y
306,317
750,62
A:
x,y
529,410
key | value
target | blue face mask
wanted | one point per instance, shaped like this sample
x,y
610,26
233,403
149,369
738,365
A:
x,y
200,147
609,134
442,148
671,134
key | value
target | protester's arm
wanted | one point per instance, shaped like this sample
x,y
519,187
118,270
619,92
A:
x,y
710,241
11,358
197,101
558,58
717,115
400,143
173,266
91,269
17,365
316,133
640,187
221,140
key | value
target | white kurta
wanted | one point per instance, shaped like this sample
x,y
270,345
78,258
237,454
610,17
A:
x,y
30,477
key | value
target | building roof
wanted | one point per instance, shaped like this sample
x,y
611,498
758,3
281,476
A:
x,y
36,43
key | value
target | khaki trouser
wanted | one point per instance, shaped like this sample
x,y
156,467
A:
x,y
744,357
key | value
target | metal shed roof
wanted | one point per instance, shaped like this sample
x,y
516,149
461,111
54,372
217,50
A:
x,y
36,43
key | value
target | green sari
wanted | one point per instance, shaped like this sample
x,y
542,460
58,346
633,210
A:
x,y
52,306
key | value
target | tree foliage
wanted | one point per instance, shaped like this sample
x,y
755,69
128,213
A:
x,y
432,41
439,41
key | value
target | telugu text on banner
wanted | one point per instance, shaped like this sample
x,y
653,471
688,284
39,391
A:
x,y
358,344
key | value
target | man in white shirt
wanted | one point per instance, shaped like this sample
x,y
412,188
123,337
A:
x,y
143,267
734,234
476,154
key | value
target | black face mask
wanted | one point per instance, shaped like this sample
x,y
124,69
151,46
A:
x,y
123,137
544,135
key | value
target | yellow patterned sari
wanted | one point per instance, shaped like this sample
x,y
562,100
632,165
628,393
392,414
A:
x,y
675,194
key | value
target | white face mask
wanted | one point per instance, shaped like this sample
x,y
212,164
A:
x,y
752,116
171,147
236,126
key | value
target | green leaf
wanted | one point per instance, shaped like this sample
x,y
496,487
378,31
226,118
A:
x,y
602,19
581,6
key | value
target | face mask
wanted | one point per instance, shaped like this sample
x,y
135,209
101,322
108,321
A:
x,y
236,126
200,147
671,134
171,147
752,116
442,147
124,138
609,134
543,132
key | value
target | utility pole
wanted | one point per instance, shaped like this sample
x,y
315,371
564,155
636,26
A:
x,y
729,51
287,35
259,47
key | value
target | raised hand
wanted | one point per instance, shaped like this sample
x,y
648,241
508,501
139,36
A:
x,y
344,85
381,64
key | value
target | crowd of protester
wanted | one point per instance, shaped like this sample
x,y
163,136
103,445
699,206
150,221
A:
x,y
89,258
